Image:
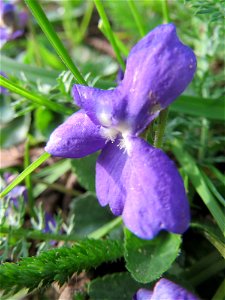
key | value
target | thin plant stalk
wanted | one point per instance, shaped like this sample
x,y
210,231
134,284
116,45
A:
x,y
28,181
109,31
25,172
137,17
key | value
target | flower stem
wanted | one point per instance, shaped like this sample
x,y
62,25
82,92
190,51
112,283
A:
x,y
165,11
158,138
110,34
28,181
97,234
203,139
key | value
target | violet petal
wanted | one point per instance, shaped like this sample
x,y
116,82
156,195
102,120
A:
x,y
78,136
158,70
144,186
104,107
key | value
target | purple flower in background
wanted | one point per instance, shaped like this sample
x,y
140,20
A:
x,y
12,22
2,89
138,181
165,290
50,223
17,192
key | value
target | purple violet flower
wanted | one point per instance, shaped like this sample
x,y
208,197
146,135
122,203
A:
x,y
138,181
50,223
165,290
12,22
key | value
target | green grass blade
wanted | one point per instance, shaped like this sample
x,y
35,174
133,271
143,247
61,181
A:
x,y
191,169
25,173
28,181
213,189
50,33
217,174
220,293
35,98
100,232
212,109
212,234
110,34
137,17
17,69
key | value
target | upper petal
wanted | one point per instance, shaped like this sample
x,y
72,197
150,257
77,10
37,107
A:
x,y
104,107
166,289
159,68
144,186
78,136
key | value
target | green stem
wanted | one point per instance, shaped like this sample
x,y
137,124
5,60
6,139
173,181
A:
x,y
25,172
36,235
97,234
205,274
50,33
165,11
58,187
37,99
110,34
28,181
137,17
203,139
202,264
86,20
158,138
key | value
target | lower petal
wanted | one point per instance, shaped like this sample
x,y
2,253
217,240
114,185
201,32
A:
x,y
144,186
77,137
110,173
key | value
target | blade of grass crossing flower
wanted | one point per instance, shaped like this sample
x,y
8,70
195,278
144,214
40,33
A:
x,y
50,33
99,233
28,181
137,17
192,170
110,34
25,173
37,99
